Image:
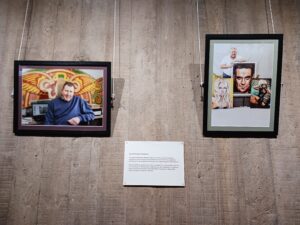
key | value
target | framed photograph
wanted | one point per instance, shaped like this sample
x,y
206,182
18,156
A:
x,y
62,98
242,85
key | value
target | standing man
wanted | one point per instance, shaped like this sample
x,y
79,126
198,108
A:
x,y
243,74
227,62
68,109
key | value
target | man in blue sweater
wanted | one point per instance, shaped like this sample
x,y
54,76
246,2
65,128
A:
x,y
68,109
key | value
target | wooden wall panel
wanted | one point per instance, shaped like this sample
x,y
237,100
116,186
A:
x,y
285,150
140,203
156,69
11,22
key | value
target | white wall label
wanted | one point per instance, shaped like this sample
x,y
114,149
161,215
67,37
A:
x,y
154,163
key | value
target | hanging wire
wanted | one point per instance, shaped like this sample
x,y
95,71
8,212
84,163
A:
x,y
199,44
272,22
199,49
271,14
23,31
114,52
22,37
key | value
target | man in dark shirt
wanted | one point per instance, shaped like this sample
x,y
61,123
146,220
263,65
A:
x,y
243,74
68,109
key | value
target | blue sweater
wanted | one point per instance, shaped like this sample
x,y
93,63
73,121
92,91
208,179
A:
x,y
60,111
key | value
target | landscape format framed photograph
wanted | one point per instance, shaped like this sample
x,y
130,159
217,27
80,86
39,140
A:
x,y
242,85
62,98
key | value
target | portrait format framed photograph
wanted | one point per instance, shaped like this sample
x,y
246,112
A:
x,y
242,85
62,98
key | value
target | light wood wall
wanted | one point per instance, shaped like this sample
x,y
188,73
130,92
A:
x,y
78,181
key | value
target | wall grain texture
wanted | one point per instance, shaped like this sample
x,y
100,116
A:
x,y
78,181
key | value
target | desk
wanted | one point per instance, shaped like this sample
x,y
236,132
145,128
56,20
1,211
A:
x,y
31,121
241,100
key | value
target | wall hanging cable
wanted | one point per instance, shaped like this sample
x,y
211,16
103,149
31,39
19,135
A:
x,y
23,30
272,23
271,15
114,54
199,49
22,36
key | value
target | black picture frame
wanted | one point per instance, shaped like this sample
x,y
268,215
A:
x,y
36,83
242,85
